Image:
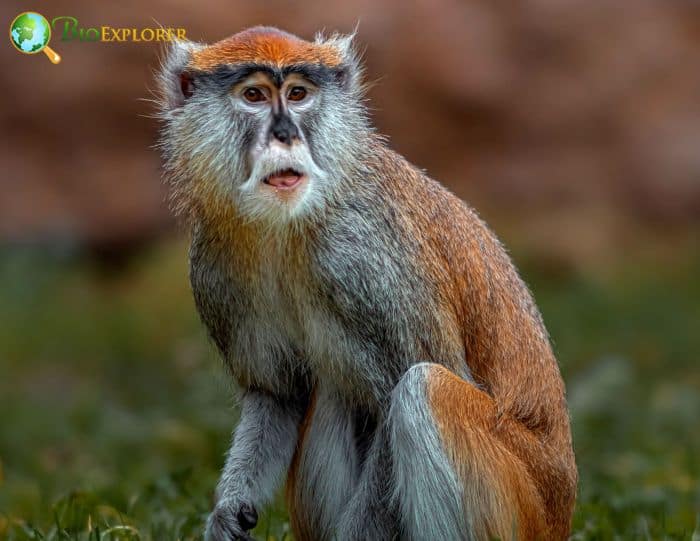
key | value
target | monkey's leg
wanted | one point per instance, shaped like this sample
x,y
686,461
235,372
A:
x,y
408,489
456,464
324,470
454,475
263,445
371,514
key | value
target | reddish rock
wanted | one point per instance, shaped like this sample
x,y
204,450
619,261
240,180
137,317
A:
x,y
524,109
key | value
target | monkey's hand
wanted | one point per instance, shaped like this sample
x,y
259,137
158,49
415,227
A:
x,y
231,520
262,450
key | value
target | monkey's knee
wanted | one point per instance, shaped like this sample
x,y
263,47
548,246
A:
x,y
426,491
453,478
499,497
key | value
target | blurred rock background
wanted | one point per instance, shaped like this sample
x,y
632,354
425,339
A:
x,y
579,121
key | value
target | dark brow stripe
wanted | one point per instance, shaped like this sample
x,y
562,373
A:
x,y
224,77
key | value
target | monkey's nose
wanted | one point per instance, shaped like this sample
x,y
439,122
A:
x,y
283,129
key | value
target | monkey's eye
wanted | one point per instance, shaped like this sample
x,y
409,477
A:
x,y
296,93
253,95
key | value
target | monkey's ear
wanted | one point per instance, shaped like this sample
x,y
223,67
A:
x,y
174,84
351,70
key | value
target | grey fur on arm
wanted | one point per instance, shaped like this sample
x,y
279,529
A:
x,y
262,449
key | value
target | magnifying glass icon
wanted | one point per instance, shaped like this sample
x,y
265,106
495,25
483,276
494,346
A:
x,y
30,33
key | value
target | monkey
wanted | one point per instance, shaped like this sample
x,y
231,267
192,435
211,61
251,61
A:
x,y
392,364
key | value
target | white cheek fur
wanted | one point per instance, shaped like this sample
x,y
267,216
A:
x,y
260,110
302,106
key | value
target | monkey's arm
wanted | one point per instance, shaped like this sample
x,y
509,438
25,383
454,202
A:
x,y
262,449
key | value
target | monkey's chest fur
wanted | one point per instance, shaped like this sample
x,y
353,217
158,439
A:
x,y
345,305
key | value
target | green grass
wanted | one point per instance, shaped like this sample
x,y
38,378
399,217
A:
x,y
115,413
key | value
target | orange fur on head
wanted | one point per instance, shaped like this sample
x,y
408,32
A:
x,y
265,45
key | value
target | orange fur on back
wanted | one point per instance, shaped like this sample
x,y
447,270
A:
x,y
264,45
512,427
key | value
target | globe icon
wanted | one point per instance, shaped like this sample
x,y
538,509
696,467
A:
x,y
30,33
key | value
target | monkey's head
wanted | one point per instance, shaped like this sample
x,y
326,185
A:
x,y
262,122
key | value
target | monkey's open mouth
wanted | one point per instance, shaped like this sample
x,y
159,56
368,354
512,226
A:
x,y
284,179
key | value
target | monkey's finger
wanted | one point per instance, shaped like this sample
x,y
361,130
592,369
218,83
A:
x,y
247,517
224,529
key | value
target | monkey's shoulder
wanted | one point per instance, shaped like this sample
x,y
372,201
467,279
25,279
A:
x,y
364,244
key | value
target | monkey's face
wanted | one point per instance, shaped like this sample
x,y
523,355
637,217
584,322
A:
x,y
262,121
279,111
